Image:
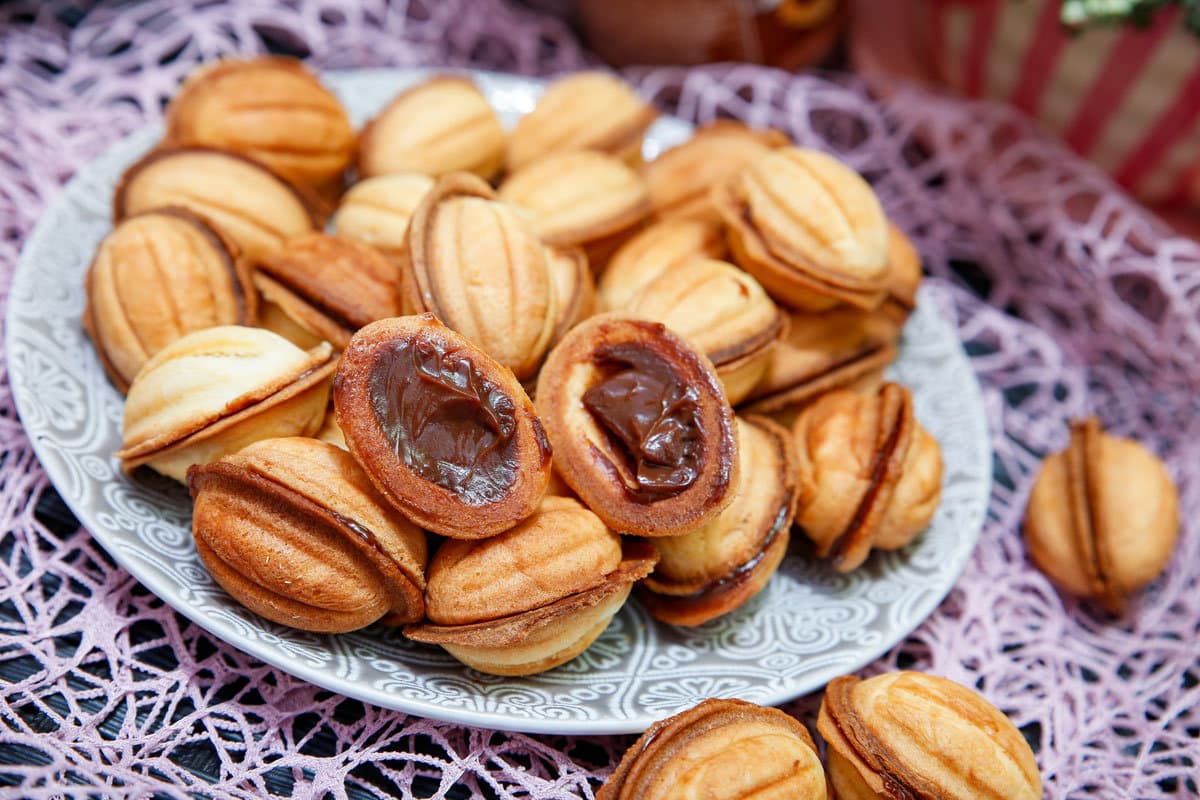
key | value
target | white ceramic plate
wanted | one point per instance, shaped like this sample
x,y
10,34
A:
x,y
807,627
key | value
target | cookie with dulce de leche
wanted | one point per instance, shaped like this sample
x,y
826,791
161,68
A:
x,y
445,433
640,425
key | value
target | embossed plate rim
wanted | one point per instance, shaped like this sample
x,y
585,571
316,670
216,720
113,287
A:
x,y
298,653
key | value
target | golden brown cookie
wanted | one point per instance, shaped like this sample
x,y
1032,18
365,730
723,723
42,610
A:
x,y
809,228
159,276
533,597
445,433
720,750
271,109
1103,517
908,734
440,126
214,391
294,530
869,475
584,111
329,430
583,198
574,288
376,211
244,199
651,252
478,265
640,426
274,319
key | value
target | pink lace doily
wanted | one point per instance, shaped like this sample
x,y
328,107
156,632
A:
x,y
104,691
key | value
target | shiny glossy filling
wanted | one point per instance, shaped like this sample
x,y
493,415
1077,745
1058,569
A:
x,y
652,418
445,421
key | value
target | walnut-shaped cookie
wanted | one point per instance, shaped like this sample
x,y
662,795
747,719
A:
x,y
376,211
445,433
715,569
869,475
216,390
809,228
652,251
913,735
640,426
574,288
159,276
720,750
440,126
330,286
294,530
269,108
533,597
680,180
479,267
583,198
1103,516
722,311
845,348
251,204
582,111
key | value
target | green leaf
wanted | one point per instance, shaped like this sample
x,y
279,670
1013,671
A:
x,y
1081,14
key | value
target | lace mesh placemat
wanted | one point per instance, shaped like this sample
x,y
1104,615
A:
x,y
1070,299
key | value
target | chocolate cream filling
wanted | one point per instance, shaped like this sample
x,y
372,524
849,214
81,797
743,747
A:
x,y
444,420
651,415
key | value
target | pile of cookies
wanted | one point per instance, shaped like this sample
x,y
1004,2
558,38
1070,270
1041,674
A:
x,y
525,374
569,376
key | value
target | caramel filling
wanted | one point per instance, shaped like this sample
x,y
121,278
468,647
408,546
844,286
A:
x,y
444,420
652,417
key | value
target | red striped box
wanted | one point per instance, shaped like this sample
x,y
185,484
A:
x,y
1127,98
